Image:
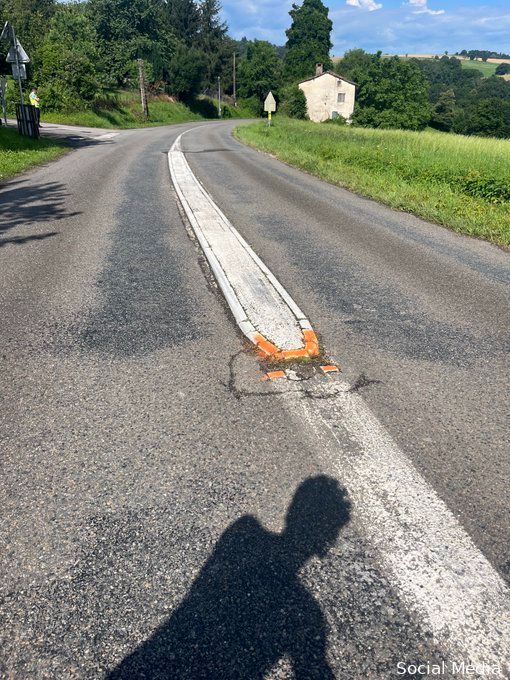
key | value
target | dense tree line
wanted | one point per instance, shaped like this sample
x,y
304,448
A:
x,y
464,101
483,54
80,51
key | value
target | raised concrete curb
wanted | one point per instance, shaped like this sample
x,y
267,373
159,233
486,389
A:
x,y
263,309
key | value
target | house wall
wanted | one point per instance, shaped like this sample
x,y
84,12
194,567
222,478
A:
x,y
322,97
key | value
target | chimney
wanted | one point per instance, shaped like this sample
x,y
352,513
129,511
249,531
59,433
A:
x,y
319,69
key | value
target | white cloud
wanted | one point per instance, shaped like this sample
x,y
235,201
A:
x,y
371,5
422,8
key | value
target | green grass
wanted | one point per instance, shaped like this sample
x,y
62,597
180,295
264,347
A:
x,y
17,153
125,112
122,110
484,67
460,182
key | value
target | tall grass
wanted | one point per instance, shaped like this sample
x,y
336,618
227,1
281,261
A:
x,y
20,153
124,111
459,182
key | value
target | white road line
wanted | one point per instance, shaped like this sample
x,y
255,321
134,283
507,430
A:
x,y
258,301
425,551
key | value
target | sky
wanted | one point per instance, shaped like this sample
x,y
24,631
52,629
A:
x,y
393,26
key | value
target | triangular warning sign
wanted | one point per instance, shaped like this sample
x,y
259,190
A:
x,y
22,55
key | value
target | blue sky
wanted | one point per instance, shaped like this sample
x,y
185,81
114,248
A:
x,y
394,26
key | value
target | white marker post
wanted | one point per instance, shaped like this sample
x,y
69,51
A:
x,y
270,107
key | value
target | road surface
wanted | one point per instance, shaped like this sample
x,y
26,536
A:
x,y
165,512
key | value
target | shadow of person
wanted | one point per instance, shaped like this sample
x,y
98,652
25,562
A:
x,y
247,609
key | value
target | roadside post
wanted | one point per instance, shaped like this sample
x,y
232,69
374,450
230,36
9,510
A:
x,y
143,90
269,107
3,88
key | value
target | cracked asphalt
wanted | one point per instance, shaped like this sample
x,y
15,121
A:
x,y
164,513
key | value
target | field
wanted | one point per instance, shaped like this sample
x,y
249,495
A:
x,y
460,182
20,153
487,68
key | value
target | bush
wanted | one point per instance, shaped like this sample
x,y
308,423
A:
x,y
293,103
339,120
503,69
185,72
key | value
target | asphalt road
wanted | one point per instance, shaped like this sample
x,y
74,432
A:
x,y
147,472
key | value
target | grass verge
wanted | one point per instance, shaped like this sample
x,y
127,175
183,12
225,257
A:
x,y
123,111
459,182
17,153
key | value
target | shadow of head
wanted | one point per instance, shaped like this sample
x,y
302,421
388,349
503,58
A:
x,y
319,509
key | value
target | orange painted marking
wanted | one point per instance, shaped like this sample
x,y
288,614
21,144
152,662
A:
x,y
272,375
329,369
267,349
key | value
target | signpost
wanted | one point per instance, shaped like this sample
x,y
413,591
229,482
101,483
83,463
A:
x,y
18,58
269,107
3,87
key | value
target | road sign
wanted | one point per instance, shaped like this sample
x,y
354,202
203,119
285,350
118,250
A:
x,y
19,72
22,55
270,103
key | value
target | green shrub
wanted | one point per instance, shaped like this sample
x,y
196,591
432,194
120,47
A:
x,y
293,103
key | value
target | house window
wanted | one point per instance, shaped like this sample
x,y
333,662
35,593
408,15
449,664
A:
x,y
341,97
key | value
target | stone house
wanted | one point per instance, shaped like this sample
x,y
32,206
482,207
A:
x,y
328,95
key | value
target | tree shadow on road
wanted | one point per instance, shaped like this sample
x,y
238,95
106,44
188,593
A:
x,y
23,202
20,240
248,609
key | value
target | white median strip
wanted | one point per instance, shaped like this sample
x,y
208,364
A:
x,y
263,309
426,553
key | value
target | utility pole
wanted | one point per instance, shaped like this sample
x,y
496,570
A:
x,y
143,90
219,97
234,81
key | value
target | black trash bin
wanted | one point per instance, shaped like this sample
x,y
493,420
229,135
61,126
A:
x,y
26,117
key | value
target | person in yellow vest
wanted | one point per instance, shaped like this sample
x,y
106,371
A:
x,y
36,103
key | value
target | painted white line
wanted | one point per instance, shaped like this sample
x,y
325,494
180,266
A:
x,y
426,553
259,302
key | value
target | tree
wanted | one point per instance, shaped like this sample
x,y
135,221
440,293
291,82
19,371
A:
x,y
68,71
502,69
308,40
260,71
31,20
443,114
213,41
293,103
486,117
392,93
183,18
128,30
185,72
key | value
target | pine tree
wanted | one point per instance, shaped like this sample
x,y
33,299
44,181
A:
x,y
183,17
212,40
308,40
